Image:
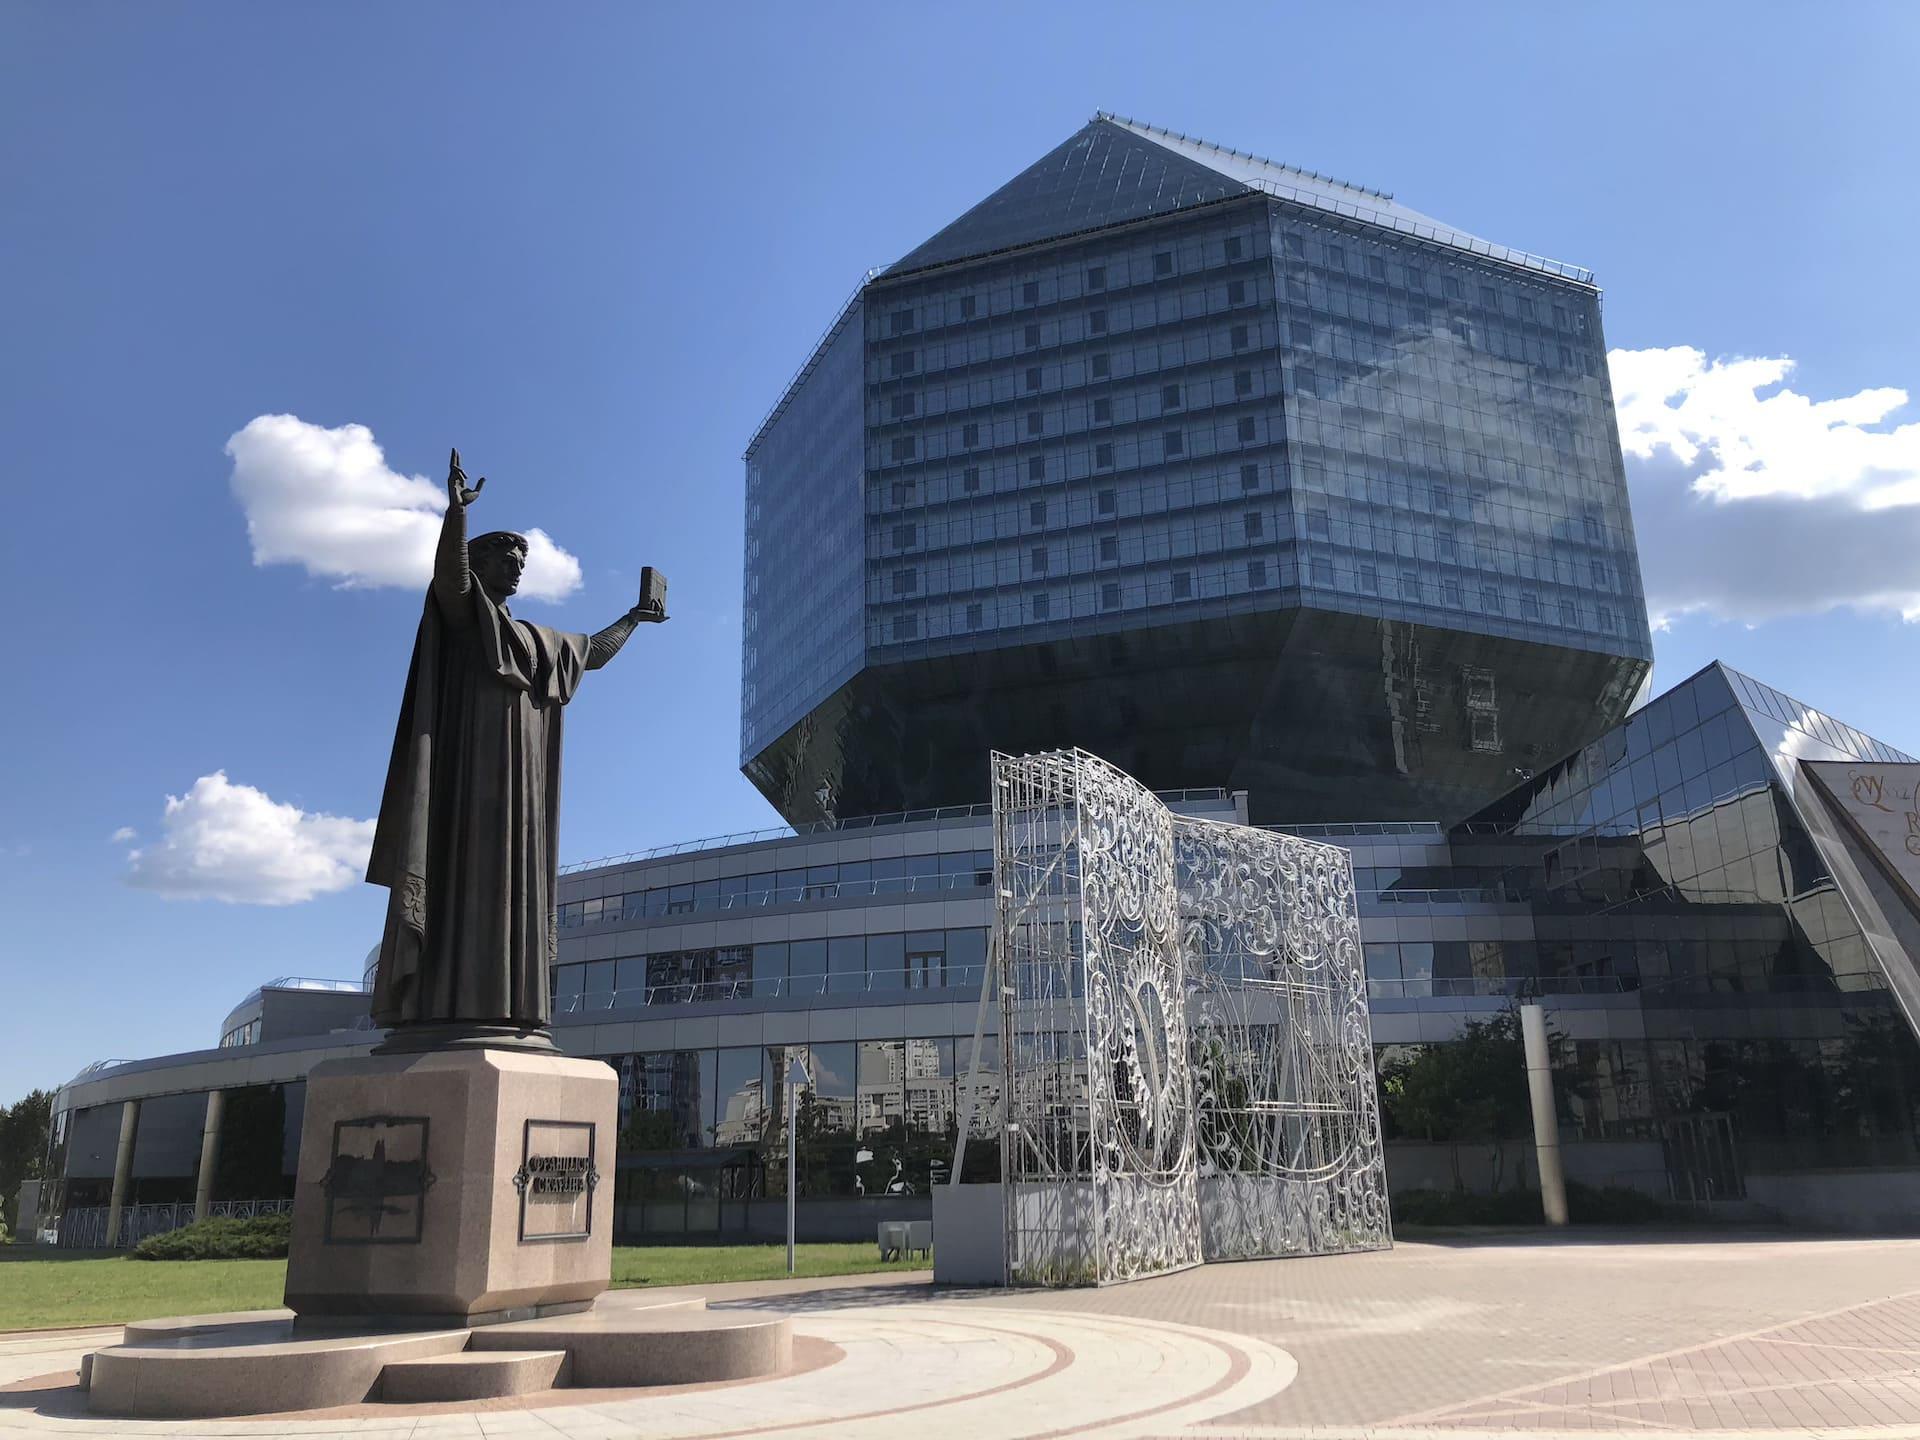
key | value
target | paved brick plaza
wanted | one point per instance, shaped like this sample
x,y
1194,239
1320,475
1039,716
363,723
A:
x,y
1630,1334
1639,1335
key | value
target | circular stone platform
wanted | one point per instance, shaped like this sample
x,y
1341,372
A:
x,y
925,1368
229,1365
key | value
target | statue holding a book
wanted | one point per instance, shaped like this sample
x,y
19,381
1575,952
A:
x,y
465,840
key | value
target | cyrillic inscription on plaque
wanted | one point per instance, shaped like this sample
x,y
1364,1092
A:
x,y
556,1180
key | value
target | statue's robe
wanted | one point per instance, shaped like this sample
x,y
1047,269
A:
x,y
465,841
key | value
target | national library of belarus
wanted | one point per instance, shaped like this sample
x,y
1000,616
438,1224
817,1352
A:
x,y
1306,510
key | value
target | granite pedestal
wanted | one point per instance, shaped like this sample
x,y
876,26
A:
x,y
464,1186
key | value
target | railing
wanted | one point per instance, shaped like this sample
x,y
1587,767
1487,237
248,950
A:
x,y
1358,827
304,982
88,1071
781,987
85,1227
789,895
832,827
782,832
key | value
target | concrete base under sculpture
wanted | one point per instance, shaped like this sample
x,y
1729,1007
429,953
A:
x,y
453,1187
215,1365
451,1230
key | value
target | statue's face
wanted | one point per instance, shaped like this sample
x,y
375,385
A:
x,y
499,569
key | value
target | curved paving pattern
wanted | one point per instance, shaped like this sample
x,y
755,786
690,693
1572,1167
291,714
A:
x,y
1735,1334
927,1369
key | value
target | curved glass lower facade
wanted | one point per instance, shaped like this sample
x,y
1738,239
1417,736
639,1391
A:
x,y
1723,970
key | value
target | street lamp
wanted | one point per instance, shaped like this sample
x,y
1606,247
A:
x,y
796,1078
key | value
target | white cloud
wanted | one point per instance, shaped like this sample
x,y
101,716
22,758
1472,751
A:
x,y
122,835
222,841
1753,501
326,500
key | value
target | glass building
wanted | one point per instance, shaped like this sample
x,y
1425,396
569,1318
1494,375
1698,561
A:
x,y
1307,510
1227,471
1726,963
1694,859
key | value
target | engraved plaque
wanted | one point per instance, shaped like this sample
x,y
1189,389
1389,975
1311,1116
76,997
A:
x,y
377,1181
556,1180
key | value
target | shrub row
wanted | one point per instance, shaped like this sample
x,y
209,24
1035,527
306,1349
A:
x,y
264,1237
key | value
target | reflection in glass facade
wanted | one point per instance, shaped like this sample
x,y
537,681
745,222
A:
x,y
1203,463
1674,860
800,615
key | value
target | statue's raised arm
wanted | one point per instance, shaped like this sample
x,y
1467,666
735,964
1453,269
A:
x,y
458,495
452,575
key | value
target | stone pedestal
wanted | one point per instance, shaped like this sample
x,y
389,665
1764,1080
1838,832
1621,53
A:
x,y
464,1186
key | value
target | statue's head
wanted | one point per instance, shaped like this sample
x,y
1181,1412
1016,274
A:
x,y
497,560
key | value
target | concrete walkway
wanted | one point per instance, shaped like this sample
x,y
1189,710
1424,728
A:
x,y
1507,1336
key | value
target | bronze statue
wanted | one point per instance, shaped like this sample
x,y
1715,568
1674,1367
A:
x,y
468,818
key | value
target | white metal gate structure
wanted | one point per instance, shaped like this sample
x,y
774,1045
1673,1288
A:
x,y
1098,1139
1187,1069
1290,1158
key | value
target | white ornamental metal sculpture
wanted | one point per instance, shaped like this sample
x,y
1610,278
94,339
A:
x,y
1290,1156
1186,1060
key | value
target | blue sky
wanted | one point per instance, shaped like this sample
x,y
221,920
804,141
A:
x,y
590,244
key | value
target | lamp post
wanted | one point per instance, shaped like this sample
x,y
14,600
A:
x,y
796,1077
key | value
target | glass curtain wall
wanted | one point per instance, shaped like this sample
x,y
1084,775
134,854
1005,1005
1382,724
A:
x,y
703,1132
1668,859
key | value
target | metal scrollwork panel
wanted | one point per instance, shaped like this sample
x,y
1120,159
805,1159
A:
x,y
1187,1054
1101,1141
1288,1129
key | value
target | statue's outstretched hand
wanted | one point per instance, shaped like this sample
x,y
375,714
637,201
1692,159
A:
x,y
457,492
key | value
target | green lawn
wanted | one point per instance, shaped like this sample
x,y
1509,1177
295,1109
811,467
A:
x,y
40,1289
709,1264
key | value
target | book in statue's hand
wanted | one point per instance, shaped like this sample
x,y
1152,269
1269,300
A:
x,y
653,593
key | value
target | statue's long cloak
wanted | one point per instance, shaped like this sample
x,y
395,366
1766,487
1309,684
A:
x,y
465,840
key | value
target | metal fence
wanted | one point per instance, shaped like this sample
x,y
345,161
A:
x,y
85,1227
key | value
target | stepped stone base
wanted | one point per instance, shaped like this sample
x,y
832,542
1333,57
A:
x,y
454,1187
614,1348
268,1363
473,1375
252,1368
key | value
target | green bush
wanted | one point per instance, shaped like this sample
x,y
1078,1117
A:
x,y
262,1238
1608,1205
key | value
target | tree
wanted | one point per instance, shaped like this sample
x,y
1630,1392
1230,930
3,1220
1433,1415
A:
x,y
23,1149
1470,1090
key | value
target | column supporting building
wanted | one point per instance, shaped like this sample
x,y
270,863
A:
x,y
209,1154
1546,1120
122,1168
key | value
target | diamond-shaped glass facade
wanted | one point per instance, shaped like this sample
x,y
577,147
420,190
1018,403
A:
x,y
1217,484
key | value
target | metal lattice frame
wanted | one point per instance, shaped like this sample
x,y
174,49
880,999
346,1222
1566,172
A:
x,y
1290,1157
1187,1065
1099,1142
